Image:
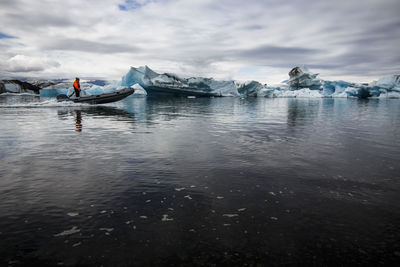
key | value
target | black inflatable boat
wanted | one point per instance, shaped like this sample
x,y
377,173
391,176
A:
x,y
100,98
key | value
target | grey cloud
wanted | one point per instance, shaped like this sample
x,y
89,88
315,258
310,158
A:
x,y
70,44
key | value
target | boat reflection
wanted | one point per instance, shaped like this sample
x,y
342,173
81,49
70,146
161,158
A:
x,y
78,123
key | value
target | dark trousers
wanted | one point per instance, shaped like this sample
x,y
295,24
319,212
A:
x,y
77,93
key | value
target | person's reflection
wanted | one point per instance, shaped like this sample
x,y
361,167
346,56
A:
x,y
78,123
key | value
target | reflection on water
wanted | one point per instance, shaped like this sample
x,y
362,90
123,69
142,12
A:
x,y
78,123
207,181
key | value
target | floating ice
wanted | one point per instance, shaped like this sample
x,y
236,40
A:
x,y
71,231
230,215
72,214
107,229
167,83
179,189
77,244
166,219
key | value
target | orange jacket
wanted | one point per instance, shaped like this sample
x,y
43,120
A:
x,y
77,86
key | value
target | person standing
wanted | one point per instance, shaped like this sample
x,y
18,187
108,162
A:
x,y
77,87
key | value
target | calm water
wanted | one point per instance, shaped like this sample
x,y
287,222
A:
x,y
210,181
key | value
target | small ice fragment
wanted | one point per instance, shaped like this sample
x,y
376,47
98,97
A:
x,y
72,214
144,193
170,209
219,197
192,186
125,208
188,197
350,194
242,209
148,201
73,230
128,222
103,211
230,215
134,227
272,193
179,189
77,244
191,96
106,229
227,224
274,218
166,219
192,230
143,217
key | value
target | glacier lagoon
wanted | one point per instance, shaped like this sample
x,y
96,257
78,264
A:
x,y
200,181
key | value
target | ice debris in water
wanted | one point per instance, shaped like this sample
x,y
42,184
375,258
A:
x,y
179,189
107,229
188,197
72,214
230,215
71,231
166,219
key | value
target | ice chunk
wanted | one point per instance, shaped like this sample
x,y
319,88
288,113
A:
x,y
71,231
230,215
301,77
251,88
388,82
166,219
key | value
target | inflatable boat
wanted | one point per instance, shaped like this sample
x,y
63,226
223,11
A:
x,y
99,98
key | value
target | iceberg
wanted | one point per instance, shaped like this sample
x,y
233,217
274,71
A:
x,y
172,84
251,88
17,87
301,77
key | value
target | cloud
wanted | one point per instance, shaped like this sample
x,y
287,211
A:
x,y
75,44
358,38
21,63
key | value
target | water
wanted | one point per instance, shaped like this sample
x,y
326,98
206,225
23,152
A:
x,y
204,181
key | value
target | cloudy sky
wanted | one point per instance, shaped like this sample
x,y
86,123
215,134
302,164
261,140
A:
x,y
356,40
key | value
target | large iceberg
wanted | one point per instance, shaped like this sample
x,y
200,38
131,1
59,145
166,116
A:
x,y
171,84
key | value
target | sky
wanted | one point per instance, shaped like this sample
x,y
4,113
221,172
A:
x,y
262,40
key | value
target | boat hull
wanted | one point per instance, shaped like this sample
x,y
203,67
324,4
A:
x,y
99,98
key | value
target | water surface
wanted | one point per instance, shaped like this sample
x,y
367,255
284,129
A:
x,y
205,181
